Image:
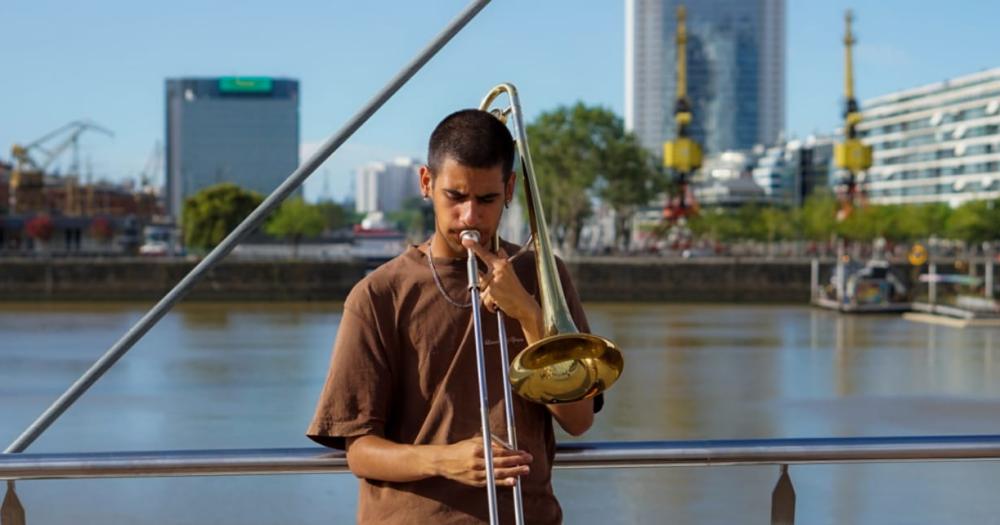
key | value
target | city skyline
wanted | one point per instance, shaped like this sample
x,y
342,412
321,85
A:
x,y
76,65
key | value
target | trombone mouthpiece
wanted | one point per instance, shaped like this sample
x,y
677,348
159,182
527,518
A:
x,y
470,234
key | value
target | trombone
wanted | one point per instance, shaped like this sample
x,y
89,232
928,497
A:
x,y
565,365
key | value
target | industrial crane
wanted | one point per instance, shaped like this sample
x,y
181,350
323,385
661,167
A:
x,y
28,178
681,155
850,155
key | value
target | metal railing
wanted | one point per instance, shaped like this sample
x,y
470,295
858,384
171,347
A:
x,y
781,452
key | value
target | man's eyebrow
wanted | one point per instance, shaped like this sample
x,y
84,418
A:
x,y
458,193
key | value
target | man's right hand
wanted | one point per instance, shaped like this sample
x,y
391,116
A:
x,y
464,462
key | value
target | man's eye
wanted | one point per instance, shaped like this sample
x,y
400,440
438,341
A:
x,y
487,200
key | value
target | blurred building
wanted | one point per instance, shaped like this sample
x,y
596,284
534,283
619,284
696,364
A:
x,y
386,186
735,68
935,143
67,217
5,172
791,171
726,180
243,130
42,233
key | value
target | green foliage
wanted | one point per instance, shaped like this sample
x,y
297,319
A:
x,y
975,221
816,218
212,213
919,222
335,216
717,224
416,217
296,219
580,152
776,224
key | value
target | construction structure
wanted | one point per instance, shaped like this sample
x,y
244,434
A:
x,y
851,155
681,156
47,211
27,181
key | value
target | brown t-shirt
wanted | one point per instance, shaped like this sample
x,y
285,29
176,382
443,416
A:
x,y
404,368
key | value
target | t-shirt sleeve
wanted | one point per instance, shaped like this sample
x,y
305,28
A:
x,y
576,311
355,398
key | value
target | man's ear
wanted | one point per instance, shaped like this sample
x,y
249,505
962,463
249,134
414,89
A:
x,y
511,185
426,181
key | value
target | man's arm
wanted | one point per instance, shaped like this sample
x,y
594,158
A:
x,y
374,457
502,288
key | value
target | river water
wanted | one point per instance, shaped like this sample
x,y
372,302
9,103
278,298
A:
x,y
247,376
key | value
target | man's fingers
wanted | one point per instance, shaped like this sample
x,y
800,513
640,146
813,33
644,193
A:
x,y
480,252
516,460
503,474
488,302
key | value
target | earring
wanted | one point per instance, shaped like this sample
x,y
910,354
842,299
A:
x,y
506,204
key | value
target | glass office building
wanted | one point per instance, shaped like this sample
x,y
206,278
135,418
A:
x,y
935,143
243,130
736,71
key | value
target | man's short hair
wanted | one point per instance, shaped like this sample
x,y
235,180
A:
x,y
473,138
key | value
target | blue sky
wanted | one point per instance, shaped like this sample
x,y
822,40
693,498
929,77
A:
x,y
107,60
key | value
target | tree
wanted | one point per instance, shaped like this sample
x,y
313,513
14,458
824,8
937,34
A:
x,y
775,225
581,152
818,216
294,220
975,221
717,224
212,213
416,217
923,221
633,178
335,216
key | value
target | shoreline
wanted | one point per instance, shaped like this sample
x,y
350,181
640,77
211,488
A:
x,y
598,279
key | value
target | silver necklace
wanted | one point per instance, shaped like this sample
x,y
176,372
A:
x,y
437,280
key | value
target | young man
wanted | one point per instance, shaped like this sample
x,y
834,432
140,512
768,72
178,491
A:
x,y
401,396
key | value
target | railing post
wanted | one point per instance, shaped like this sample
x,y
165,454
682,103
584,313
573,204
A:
x,y
11,512
932,283
783,500
814,280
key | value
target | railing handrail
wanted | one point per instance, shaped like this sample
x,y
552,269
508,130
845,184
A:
x,y
316,460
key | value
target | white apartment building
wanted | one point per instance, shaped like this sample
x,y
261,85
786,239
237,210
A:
x,y
935,143
386,186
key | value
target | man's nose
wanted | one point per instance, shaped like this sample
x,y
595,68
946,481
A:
x,y
470,213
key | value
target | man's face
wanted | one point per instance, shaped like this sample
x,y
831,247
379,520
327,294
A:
x,y
466,199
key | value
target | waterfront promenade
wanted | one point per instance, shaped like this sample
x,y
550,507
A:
x,y
645,279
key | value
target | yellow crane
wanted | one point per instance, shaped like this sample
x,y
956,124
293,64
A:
x,y
850,155
681,155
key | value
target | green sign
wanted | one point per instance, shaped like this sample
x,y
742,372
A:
x,y
245,85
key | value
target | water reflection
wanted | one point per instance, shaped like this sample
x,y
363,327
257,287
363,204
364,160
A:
x,y
247,375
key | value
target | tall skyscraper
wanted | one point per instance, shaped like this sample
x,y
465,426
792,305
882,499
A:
x,y
735,70
243,130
